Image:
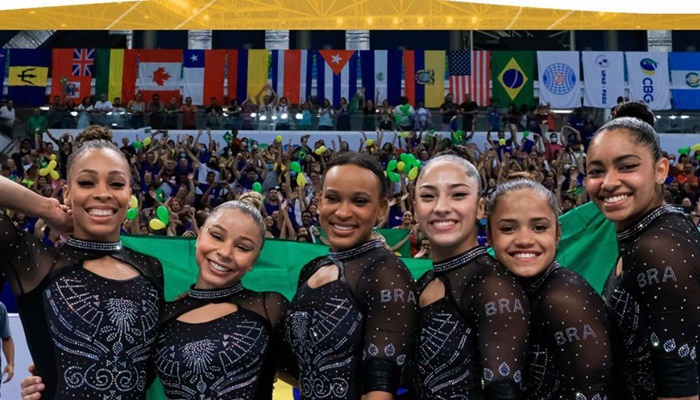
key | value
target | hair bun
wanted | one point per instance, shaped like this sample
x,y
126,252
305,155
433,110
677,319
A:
x,y
634,109
252,198
94,132
520,175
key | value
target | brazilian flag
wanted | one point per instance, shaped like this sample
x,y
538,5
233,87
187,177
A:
x,y
513,74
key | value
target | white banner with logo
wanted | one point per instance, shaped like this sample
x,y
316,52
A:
x,y
649,79
560,80
604,78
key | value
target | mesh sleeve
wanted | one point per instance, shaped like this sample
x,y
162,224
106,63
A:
x,y
502,312
664,276
388,295
573,321
24,259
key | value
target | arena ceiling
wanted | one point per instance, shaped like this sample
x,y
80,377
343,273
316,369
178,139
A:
x,y
347,14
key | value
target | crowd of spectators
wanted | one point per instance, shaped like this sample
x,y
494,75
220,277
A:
x,y
189,174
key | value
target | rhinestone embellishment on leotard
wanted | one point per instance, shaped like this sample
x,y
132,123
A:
x,y
94,246
459,260
644,223
356,251
209,294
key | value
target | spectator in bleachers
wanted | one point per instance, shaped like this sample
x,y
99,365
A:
x,y
423,118
386,116
305,123
154,112
85,110
171,113
214,113
102,108
56,112
36,123
136,107
448,110
69,121
8,118
369,112
233,113
343,120
283,113
189,112
493,115
325,116
469,110
404,115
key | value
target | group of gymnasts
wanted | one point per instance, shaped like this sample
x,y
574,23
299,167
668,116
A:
x,y
510,326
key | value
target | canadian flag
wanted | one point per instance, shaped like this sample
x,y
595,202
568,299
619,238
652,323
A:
x,y
159,73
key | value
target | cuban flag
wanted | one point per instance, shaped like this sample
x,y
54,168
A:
x,y
291,72
381,75
336,75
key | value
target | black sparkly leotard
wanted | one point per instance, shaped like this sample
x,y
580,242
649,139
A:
x,y
90,337
228,358
353,335
655,305
471,343
570,355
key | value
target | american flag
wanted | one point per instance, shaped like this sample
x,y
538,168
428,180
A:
x,y
470,73
83,60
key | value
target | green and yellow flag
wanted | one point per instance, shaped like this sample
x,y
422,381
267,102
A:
x,y
513,74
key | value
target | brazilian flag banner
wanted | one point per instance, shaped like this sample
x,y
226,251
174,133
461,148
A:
x,y
513,74
588,246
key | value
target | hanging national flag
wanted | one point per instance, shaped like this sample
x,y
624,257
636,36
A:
x,y
29,70
424,75
647,73
336,75
513,77
203,75
470,73
3,60
381,75
71,73
559,78
159,73
685,80
115,73
291,72
247,73
604,74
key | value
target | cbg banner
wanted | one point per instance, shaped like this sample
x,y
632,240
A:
x,y
648,78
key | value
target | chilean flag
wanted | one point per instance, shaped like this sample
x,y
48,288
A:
x,y
159,73
203,75
291,74
336,75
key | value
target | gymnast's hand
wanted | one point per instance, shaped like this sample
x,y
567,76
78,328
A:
x,y
59,217
31,386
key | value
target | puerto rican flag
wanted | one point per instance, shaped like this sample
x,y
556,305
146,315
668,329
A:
x,y
336,75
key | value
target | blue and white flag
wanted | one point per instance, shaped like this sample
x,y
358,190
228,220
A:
x,y
336,75
604,78
559,78
685,80
381,75
648,78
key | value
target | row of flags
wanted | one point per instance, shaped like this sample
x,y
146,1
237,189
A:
x,y
506,76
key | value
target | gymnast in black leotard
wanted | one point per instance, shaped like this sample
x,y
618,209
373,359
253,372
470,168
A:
x,y
569,354
474,317
90,307
654,291
352,321
221,340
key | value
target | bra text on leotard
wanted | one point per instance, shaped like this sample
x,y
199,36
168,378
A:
x,y
388,295
571,335
503,306
651,276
